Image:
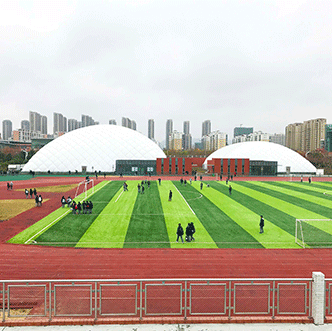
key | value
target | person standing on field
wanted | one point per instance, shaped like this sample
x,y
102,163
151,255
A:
x,y
179,233
26,193
170,195
261,224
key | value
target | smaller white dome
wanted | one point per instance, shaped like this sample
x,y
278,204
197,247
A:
x,y
265,151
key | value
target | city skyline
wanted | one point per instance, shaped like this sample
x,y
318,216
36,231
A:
x,y
259,64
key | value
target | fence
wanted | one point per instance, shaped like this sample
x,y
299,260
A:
x,y
47,301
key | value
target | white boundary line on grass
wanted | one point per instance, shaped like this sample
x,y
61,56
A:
x,y
119,196
185,200
68,211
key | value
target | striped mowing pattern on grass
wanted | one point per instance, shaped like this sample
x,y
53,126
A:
x,y
129,219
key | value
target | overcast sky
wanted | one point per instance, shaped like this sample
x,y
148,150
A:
x,y
257,63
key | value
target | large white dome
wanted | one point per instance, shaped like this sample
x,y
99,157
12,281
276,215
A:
x,y
265,151
97,147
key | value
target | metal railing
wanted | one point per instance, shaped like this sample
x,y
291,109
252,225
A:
x,y
144,298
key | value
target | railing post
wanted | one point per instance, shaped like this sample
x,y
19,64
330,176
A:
x,y
3,302
318,297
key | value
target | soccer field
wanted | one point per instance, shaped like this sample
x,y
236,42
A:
x,y
132,220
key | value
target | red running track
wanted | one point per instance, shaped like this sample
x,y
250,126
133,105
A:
x,y
34,262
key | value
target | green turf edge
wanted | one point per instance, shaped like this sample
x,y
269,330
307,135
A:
x,y
224,231
42,225
109,231
147,226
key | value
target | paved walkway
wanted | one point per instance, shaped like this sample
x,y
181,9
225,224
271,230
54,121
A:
x,y
178,327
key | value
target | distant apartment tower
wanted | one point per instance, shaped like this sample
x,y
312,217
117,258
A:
x,y
151,129
278,138
44,125
214,141
239,131
59,123
35,121
87,121
186,137
306,136
72,124
169,130
128,123
175,140
328,137
112,122
25,125
7,129
206,128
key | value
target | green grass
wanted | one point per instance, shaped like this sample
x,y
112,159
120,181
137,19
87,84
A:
x,y
132,220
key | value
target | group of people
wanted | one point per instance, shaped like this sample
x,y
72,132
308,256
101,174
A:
x,y
31,193
141,187
39,200
190,230
77,208
10,186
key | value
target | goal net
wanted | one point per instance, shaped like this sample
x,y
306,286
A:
x,y
313,233
83,187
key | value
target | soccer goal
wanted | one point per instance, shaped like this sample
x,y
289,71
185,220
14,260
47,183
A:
x,y
313,232
84,186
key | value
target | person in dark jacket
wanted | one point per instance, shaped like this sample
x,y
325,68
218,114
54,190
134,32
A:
x,y
91,206
79,208
179,233
31,193
63,201
170,195
261,224
188,233
192,230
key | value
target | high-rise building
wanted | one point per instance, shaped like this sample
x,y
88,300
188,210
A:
x,y
328,137
35,121
218,140
239,131
186,127
72,124
112,122
87,121
186,141
169,130
293,136
151,129
128,123
214,141
206,128
306,136
43,125
175,140
59,123
278,138
7,129
25,125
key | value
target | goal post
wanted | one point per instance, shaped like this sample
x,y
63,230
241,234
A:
x,y
83,187
313,232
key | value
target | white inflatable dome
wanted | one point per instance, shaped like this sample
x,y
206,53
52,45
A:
x,y
265,151
96,147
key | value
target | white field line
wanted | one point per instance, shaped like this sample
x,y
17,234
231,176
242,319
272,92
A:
x,y
163,242
119,196
47,226
185,200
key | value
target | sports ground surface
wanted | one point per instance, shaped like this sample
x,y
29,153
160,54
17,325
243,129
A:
x,y
140,229
223,219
